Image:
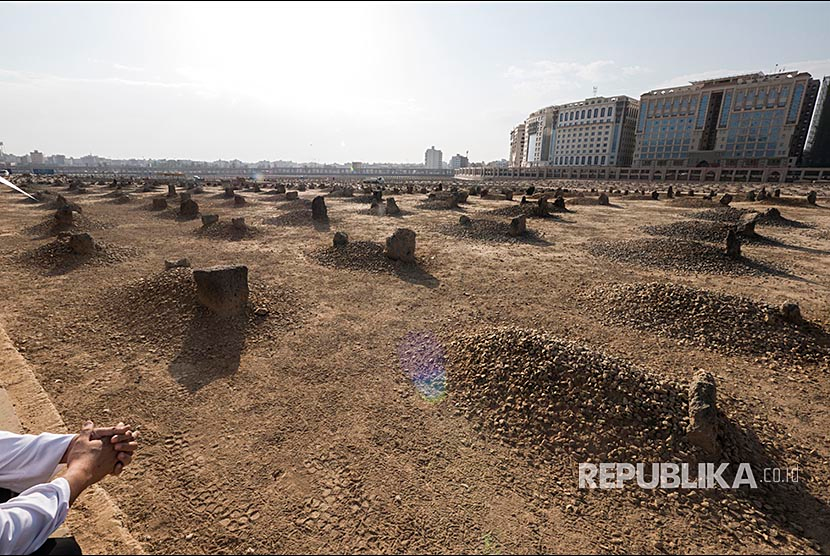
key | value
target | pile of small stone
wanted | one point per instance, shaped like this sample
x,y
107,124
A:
x,y
709,231
590,201
718,322
366,256
362,199
528,209
721,214
235,230
787,201
677,254
773,217
489,230
769,217
442,202
71,251
162,311
536,391
65,220
694,202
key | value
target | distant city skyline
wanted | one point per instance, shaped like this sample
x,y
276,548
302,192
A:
x,y
357,82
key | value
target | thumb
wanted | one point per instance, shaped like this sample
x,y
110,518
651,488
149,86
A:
x,y
88,426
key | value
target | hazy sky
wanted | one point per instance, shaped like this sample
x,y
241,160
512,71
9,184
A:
x,y
342,82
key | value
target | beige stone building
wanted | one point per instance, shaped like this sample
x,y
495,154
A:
x,y
596,131
517,146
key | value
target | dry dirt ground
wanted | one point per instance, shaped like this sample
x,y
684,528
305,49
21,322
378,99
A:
x,y
300,431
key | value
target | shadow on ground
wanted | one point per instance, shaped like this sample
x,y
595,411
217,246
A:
x,y
787,505
212,349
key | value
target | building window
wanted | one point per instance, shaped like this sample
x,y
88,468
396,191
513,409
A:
x,y
782,98
596,111
701,114
724,111
750,99
610,111
792,115
602,113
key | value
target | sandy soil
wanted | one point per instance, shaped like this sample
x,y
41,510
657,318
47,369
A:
x,y
303,434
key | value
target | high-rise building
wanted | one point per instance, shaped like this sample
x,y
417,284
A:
x,y
537,137
36,157
459,161
739,121
817,150
57,160
517,145
596,131
432,158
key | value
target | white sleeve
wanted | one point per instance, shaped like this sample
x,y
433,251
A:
x,y
27,520
27,460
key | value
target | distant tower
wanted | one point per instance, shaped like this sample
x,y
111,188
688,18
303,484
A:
x,y
595,90
1,148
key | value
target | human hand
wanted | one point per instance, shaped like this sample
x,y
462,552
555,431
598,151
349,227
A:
x,y
88,460
120,436
123,439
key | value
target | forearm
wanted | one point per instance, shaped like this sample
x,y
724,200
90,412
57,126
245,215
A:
x,y
27,460
27,520
79,480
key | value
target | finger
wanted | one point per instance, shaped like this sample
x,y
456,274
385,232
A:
x,y
119,438
124,458
102,432
88,426
126,447
119,467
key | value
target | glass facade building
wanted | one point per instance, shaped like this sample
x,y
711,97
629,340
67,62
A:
x,y
749,120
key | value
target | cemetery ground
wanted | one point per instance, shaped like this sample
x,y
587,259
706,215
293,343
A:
x,y
297,424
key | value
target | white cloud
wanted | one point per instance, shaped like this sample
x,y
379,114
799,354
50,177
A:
x,y
41,79
551,76
123,67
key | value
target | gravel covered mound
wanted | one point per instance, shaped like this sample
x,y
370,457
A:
x,y
786,201
777,220
693,202
585,201
632,197
678,254
360,198
56,257
227,231
297,217
438,204
492,231
292,205
721,214
713,232
527,209
767,218
718,322
533,389
80,223
163,313
356,255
